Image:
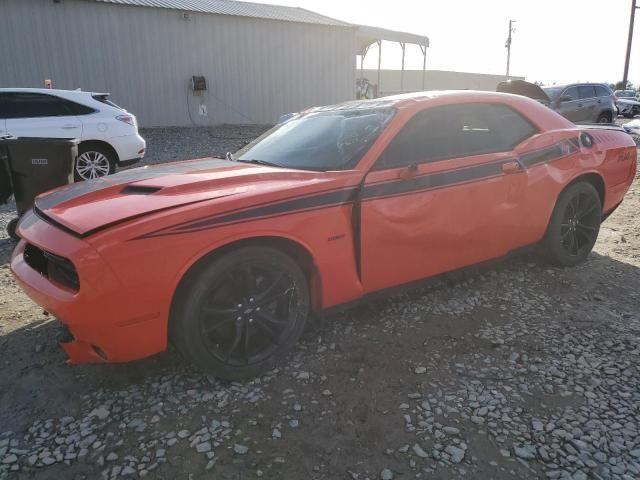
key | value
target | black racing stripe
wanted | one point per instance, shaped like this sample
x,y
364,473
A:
x,y
324,199
127,176
435,180
43,216
264,204
547,154
541,156
311,202
372,191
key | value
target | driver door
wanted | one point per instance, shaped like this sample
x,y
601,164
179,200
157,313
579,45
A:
x,y
444,194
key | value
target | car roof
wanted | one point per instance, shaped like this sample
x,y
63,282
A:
x,y
576,84
412,98
50,91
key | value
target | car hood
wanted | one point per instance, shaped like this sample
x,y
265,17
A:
x,y
525,89
87,207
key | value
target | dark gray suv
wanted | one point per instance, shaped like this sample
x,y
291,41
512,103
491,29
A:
x,y
583,102
579,102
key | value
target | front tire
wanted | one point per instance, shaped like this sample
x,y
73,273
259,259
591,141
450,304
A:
x,y
574,225
93,162
605,117
237,315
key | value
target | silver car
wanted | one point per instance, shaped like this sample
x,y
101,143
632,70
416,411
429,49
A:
x,y
578,102
583,102
628,105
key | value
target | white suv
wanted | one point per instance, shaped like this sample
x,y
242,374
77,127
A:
x,y
108,134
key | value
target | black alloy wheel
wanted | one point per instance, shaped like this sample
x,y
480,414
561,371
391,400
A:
x,y
575,224
244,311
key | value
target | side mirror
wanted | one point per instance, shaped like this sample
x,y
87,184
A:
x,y
565,98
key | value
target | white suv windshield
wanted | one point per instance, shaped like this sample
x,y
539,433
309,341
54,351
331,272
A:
x,y
327,140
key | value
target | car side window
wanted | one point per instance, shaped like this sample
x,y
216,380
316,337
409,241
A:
x,y
452,131
571,92
602,91
29,105
586,91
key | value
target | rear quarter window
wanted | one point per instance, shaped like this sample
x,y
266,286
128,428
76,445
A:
x,y
79,109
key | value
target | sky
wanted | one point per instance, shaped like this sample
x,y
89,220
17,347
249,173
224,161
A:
x,y
555,41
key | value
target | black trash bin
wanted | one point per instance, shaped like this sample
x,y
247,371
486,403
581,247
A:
x,y
37,165
6,186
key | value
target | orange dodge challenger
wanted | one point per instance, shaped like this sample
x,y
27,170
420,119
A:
x,y
227,258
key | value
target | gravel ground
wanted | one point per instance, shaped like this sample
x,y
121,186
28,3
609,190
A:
x,y
513,369
182,143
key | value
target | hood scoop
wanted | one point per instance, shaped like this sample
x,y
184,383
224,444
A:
x,y
139,190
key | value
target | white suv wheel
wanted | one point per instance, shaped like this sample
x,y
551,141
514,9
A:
x,y
92,164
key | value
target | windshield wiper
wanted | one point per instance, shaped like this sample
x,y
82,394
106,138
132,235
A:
x,y
262,162
229,157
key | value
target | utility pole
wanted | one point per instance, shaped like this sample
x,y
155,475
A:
x,y
629,40
507,45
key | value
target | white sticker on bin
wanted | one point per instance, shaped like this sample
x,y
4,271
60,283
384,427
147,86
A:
x,y
39,161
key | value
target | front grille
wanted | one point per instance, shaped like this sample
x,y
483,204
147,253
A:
x,y
57,269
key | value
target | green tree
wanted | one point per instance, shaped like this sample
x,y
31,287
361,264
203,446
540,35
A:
x,y
621,85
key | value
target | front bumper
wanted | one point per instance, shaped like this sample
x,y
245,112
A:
x,y
104,326
627,108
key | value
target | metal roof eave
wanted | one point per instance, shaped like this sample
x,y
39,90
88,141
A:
x,y
366,35
239,9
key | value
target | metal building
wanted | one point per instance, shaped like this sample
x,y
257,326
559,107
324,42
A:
x,y
259,61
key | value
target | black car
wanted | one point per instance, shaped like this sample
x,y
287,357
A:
x,y
578,102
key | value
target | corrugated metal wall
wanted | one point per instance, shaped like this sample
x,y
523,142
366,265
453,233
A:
x,y
256,69
434,80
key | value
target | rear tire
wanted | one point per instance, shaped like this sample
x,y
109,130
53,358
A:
x,y
574,225
605,117
94,161
11,228
236,315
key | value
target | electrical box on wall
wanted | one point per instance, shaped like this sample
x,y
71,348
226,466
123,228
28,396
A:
x,y
198,84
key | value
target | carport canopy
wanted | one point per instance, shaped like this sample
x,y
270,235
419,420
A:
x,y
367,36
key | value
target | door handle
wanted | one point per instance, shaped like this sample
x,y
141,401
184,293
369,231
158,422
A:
x,y
69,127
580,105
408,172
512,166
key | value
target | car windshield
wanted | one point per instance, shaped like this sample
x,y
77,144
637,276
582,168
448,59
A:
x,y
625,94
553,92
325,140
